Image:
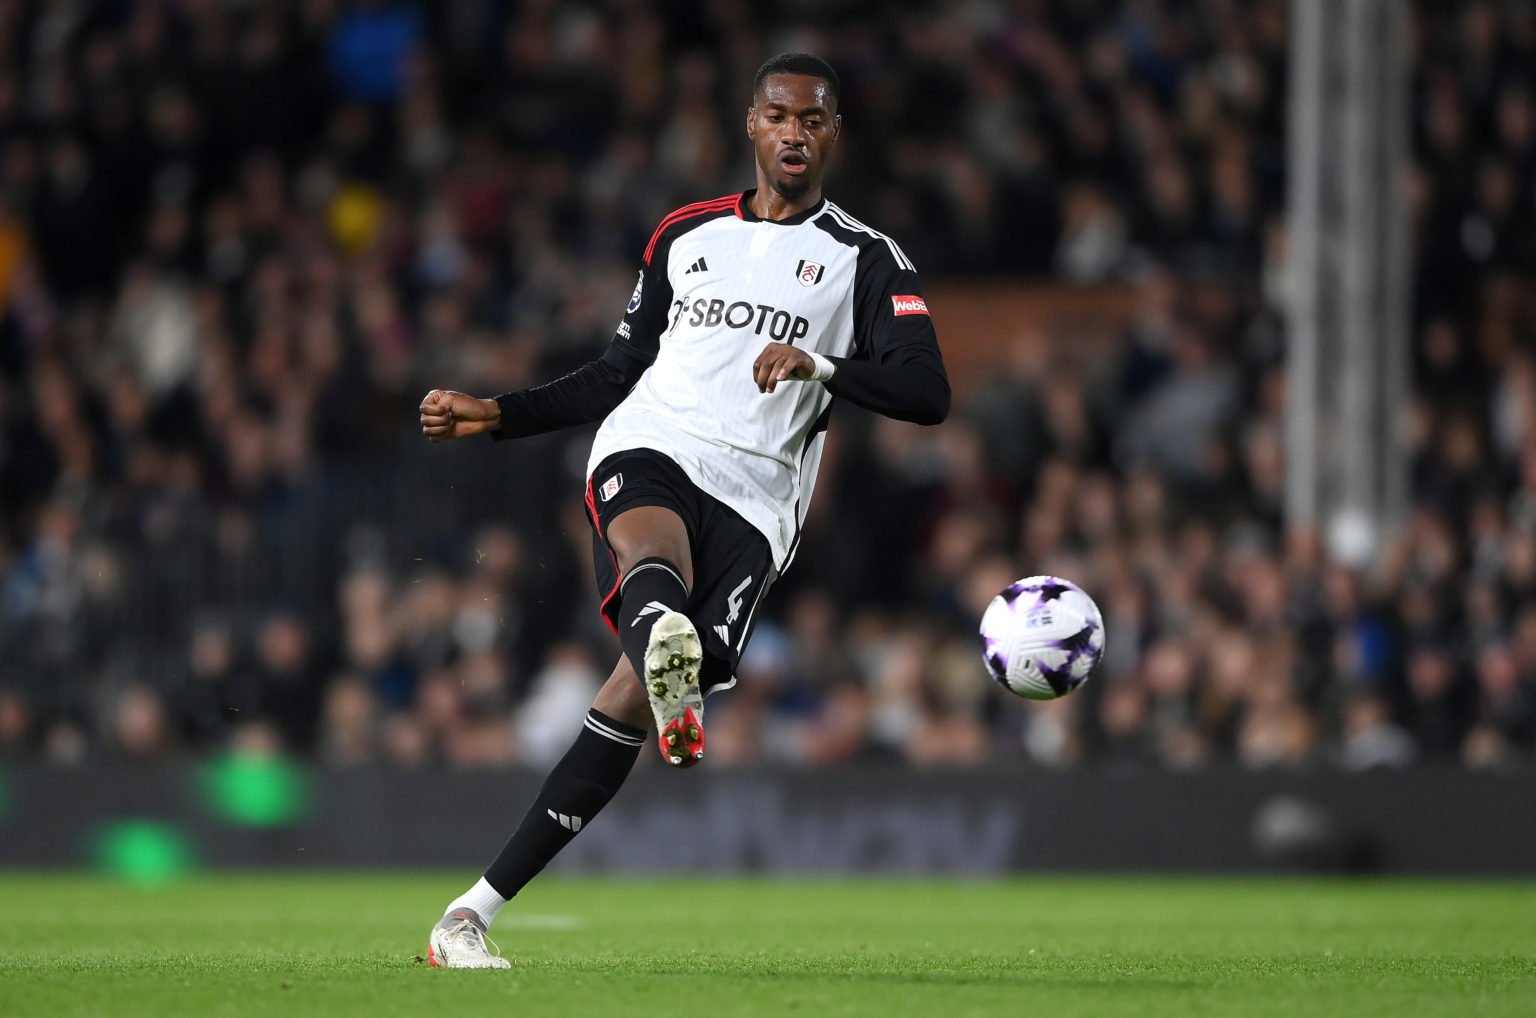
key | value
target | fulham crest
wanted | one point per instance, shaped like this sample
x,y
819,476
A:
x,y
612,485
809,273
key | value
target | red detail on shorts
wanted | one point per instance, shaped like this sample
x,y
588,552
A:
x,y
617,581
597,524
592,509
906,304
688,212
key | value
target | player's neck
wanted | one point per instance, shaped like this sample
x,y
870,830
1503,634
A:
x,y
771,205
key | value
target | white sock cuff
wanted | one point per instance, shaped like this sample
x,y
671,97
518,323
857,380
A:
x,y
483,898
607,731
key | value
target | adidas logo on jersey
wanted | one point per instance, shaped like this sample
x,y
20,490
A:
x,y
724,633
697,266
570,823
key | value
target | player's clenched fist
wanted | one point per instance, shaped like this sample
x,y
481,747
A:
x,y
779,362
446,414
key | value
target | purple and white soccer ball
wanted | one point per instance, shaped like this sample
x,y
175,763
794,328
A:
x,y
1042,637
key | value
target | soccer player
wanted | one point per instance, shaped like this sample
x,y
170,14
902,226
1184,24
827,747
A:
x,y
753,313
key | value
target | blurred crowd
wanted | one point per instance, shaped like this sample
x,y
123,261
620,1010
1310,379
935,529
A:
x,y
239,239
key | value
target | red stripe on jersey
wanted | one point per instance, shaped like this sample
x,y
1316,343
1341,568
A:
x,y
688,212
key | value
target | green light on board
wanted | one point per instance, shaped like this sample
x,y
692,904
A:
x,y
143,852
254,791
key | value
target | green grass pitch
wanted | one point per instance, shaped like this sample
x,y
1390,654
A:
x,y
345,945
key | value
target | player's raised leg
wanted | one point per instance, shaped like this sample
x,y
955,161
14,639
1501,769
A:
x,y
580,785
651,546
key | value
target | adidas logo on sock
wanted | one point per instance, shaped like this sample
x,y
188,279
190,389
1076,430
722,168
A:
x,y
654,608
570,823
697,266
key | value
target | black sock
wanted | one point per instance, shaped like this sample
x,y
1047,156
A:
x,y
580,785
652,587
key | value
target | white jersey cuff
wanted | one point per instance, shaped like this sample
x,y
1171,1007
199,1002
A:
x,y
824,367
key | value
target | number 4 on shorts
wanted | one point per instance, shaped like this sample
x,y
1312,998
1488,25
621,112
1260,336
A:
x,y
734,601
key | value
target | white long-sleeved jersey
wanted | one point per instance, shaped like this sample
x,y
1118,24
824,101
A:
x,y
718,284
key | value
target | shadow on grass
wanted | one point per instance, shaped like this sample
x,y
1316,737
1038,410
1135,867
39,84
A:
x,y
876,970
881,970
1118,984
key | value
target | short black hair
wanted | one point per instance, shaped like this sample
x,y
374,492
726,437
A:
x,y
799,63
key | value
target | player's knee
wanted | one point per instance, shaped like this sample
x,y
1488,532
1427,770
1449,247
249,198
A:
x,y
651,532
664,549
669,551
623,697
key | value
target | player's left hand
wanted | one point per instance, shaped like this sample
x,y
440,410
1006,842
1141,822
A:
x,y
780,362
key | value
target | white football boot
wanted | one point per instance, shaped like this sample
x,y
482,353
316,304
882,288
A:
x,y
673,657
458,941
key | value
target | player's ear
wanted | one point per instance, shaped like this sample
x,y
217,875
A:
x,y
837,127
752,122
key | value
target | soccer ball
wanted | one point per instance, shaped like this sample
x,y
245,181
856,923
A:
x,y
1042,637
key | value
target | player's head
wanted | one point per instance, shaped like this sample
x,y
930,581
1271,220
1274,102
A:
x,y
793,122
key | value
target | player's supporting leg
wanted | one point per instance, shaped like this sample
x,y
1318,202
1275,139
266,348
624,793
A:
x,y
656,562
580,785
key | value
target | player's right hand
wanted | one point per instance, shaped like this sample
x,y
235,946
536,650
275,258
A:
x,y
447,414
780,362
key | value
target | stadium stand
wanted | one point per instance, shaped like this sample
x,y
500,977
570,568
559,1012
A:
x,y
239,241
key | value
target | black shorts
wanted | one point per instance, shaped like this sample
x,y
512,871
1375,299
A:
x,y
732,563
